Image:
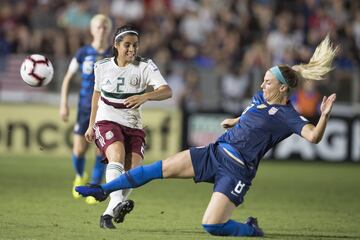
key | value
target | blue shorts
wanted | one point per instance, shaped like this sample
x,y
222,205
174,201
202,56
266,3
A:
x,y
211,164
82,121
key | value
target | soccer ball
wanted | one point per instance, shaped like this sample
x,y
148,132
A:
x,y
37,70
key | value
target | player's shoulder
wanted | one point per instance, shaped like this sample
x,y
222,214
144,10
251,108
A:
x,y
145,63
102,62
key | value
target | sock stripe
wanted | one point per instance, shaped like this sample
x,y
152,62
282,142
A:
x,y
115,167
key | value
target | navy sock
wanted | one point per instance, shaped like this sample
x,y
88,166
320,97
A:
x,y
135,177
230,228
98,170
79,164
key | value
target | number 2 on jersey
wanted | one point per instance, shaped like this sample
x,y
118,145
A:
x,y
121,82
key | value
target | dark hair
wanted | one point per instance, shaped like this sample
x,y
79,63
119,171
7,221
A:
x,y
291,76
120,30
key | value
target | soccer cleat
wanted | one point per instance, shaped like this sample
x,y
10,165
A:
x,y
122,209
258,232
92,190
106,222
91,200
78,182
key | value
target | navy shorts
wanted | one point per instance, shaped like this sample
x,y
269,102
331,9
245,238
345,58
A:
x,y
82,121
211,164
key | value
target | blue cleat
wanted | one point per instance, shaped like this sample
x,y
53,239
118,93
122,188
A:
x,y
92,190
258,232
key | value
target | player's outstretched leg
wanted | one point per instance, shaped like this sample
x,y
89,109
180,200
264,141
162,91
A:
x,y
122,209
135,177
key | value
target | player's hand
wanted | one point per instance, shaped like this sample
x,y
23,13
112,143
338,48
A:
x,y
135,101
64,113
327,104
229,122
90,135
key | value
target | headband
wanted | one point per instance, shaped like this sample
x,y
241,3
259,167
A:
x,y
276,71
126,32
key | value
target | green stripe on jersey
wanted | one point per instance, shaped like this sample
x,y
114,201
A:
x,y
120,95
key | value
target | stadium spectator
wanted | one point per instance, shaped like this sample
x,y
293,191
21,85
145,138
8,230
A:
x,y
46,35
75,20
306,100
191,98
232,161
166,22
84,60
115,121
234,86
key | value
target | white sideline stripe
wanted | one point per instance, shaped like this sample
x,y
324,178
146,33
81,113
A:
x,y
233,157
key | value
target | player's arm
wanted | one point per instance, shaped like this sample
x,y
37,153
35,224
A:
x,y
229,122
161,93
64,108
313,133
90,134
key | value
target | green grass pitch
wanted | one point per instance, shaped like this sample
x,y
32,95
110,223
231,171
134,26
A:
x,y
292,200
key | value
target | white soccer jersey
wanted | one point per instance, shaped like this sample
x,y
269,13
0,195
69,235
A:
x,y
117,83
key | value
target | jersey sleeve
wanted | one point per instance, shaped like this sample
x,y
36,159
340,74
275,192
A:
x,y
295,121
153,76
97,86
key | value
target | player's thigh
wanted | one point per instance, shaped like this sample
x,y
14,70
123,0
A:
x,y
136,160
132,160
80,145
219,209
178,166
115,152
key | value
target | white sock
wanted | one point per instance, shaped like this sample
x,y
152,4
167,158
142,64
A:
x,y
113,170
126,193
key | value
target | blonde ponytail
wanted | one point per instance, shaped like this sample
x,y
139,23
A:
x,y
320,63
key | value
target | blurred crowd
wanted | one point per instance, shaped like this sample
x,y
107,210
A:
x,y
213,53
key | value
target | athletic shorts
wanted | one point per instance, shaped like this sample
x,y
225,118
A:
x,y
82,121
211,164
107,132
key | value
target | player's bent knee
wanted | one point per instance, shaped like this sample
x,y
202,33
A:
x,y
214,229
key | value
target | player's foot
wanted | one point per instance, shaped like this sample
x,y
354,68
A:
x,y
91,200
258,232
78,182
92,190
106,222
122,209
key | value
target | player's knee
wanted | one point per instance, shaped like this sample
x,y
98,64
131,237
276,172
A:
x,y
214,229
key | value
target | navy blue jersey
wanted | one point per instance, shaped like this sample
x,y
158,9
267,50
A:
x,y
86,58
262,126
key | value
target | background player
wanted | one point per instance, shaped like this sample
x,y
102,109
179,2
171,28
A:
x,y
85,58
232,161
120,84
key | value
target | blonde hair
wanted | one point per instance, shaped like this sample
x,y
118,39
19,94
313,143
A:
x,y
101,18
320,63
